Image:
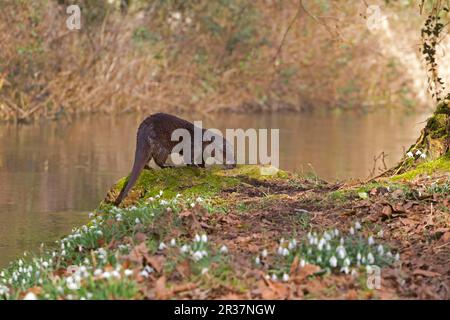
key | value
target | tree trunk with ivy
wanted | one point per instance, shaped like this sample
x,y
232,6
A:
x,y
433,142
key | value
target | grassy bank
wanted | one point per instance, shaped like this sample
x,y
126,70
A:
x,y
206,234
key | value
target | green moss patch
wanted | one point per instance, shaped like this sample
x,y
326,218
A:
x,y
441,164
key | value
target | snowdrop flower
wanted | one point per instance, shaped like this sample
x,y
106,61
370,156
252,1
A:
x,y
285,277
352,231
30,296
357,225
397,256
223,249
264,253
389,254
106,275
99,232
423,155
302,263
205,270
137,221
162,246
285,252
327,236
363,260
345,270
280,251
418,153
63,253
197,255
128,272
347,262
148,269
199,199
358,256
341,252
333,262
328,247
192,205
336,232
173,242
370,258
144,274
160,192
319,259
370,241
257,260
380,250
274,277
115,274
380,233
185,248
321,243
178,195
91,215
197,238
119,217
151,199
410,154
204,238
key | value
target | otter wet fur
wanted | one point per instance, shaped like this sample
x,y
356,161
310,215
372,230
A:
x,y
153,141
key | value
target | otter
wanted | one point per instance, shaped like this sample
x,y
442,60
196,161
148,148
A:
x,y
154,141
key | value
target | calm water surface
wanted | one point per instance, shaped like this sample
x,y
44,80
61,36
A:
x,y
52,174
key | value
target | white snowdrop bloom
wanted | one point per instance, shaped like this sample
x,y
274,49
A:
x,y
370,241
363,260
116,274
280,251
358,256
423,155
347,262
128,272
160,192
410,154
285,252
98,272
389,254
144,273
72,284
285,277
137,221
357,225
345,270
199,199
352,231
197,238
380,233
151,199
380,250
327,236
281,240
257,260
163,202
173,242
162,246
418,153
264,253
192,205
205,270
2,274
178,195
291,246
30,296
149,269
99,232
397,256
319,259
274,277
185,248
63,253
341,241
91,215
204,253
333,262
328,247
336,232
197,255
341,252
4,291
370,258
204,238
321,243
223,249
302,263
106,275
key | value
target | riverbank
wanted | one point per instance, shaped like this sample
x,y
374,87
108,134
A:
x,y
207,234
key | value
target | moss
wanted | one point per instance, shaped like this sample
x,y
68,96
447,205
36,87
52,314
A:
x,y
441,164
193,182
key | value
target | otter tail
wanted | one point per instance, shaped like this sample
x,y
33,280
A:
x,y
141,158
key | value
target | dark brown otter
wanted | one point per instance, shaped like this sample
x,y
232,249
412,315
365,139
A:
x,y
154,141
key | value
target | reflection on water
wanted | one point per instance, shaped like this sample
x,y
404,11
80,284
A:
x,y
52,174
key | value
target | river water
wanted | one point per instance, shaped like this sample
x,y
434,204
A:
x,y
53,173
